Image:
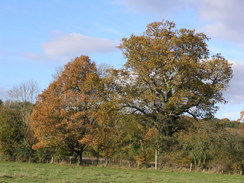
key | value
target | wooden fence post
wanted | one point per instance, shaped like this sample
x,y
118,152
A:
x,y
156,158
51,162
190,167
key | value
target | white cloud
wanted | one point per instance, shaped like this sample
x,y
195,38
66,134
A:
x,y
153,6
234,94
66,46
75,43
223,18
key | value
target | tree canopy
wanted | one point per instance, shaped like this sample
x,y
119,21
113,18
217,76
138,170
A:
x,y
152,104
169,72
65,112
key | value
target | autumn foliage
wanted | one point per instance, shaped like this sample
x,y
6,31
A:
x,y
162,100
67,110
169,72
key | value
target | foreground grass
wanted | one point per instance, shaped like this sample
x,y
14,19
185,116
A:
x,y
29,172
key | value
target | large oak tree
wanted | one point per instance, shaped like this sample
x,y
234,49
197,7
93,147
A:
x,y
169,72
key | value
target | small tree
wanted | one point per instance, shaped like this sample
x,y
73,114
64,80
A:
x,y
25,95
25,92
13,142
211,144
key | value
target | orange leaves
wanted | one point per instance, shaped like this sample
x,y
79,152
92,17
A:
x,y
75,111
65,112
87,139
168,73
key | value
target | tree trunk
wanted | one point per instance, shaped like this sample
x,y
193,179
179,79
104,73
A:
x,y
97,157
80,157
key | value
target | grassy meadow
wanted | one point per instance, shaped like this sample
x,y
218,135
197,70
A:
x,y
30,172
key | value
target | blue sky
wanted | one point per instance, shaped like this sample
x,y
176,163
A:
x,y
36,37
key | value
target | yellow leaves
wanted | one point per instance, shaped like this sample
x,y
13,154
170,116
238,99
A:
x,y
170,72
92,83
151,133
37,146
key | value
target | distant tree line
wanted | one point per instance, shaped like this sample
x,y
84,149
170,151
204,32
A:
x,y
158,108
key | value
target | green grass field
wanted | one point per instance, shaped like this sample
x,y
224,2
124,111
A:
x,y
29,172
